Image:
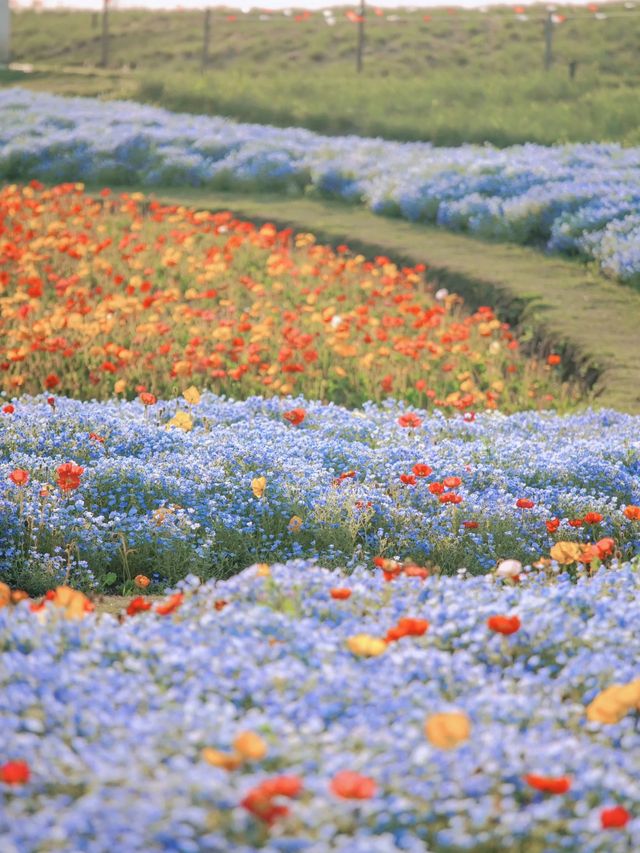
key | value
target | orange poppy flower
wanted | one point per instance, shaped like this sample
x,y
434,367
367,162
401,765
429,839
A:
x,y
504,624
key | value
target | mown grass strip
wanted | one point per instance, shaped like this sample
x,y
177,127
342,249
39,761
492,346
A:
x,y
556,303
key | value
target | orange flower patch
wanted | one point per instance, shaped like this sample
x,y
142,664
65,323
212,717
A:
x,y
117,295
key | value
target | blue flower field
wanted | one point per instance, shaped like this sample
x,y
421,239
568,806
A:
x,y
577,199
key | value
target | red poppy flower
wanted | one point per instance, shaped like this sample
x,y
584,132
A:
x,y
340,593
450,498
408,479
592,518
549,784
172,603
470,525
352,786
68,476
576,522
295,416
147,399
19,477
632,512
95,437
553,359
605,547
436,488
525,503
8,409
15,773
138,605
451,482
504,624
421,470
259,800
614,818
410,420
220,604
416,572
553,524
51,382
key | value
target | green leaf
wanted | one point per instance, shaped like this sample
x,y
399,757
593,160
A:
x,y
110,579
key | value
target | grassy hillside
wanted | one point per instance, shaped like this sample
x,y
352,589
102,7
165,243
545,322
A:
x,y
457,77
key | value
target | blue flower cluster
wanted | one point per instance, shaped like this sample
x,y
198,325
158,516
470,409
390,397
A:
x,y
579,199
112,719
338,487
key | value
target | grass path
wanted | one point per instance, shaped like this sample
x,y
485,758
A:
x,y
595,322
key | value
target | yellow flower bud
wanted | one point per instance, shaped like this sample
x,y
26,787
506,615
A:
x,y
364,645
258,486
566,552
225,760
192,395
250,746
447,730
295,523
181,420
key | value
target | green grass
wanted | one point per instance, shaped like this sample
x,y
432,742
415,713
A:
x,y
459,78
553,302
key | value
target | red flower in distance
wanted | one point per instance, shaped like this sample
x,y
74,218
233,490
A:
x,y
172,603
450,498
340,593
410,420
451,482
259,800
407,627
614,818
295,416
421,470
8,409
416,572
605,547
68,476
504,624
15,773
525,503
408,479
19,477
632,512
138,605
553,359
548,784
470,525
51,382
352,786
592,518
552,525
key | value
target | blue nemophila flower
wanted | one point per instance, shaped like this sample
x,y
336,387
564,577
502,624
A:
x,y
447,736
243,485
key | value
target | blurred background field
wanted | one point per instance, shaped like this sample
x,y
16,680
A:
x,y
441,75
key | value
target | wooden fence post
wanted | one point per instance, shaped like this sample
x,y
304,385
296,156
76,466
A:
x,y
104,58
206,38
548,41
360,37
5,32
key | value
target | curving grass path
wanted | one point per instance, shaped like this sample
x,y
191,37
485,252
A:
x,y
559,304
